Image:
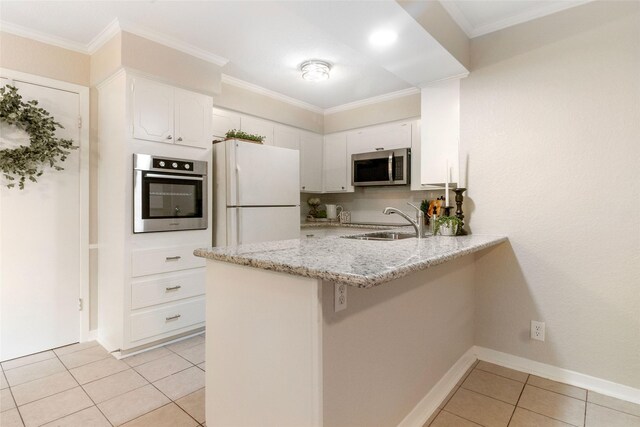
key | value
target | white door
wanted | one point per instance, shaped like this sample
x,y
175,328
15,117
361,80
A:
x,y
192,119
260,175
335,163
152,111
40,238
262,224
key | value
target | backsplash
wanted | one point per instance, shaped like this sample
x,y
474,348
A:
x,y
366,203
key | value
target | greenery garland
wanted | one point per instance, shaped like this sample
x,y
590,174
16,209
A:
x,y
28,161
233,133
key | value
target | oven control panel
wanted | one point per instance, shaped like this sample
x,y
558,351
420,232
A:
x,y
172,164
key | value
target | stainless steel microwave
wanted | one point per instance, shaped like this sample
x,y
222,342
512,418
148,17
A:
x,y
385,167
168,194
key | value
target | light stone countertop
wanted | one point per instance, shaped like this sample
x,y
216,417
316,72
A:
x,y
359,263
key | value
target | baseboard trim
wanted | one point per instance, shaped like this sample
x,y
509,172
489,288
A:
x,y
555,373
429,404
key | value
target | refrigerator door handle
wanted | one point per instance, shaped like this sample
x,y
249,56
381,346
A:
x,y
238,226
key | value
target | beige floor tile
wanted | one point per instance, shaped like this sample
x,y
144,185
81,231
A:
x,y
553,405
162,367
168,416
566,389
6,400
82,357
3,381
525,418
600,416
114,385
146,356
96,370
27,360
431,418
74,347
90,417
613,403
181,383
493,385
184,344
502,371
53,407
480,409
447,419
202,366
10,418
131,405
38,389
466,374
193,404
194,354
448,397
33,371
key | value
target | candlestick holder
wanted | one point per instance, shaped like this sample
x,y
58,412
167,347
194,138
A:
x,y
459,214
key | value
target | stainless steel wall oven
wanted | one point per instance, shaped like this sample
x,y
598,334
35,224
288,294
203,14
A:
x,y
168,194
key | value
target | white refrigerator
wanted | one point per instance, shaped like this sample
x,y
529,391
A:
x,y
256,193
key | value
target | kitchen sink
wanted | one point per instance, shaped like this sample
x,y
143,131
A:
x,y
381,235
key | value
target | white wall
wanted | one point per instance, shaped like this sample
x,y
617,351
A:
x,y
550,119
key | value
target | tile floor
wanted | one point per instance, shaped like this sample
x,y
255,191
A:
x,y
492,396
82,385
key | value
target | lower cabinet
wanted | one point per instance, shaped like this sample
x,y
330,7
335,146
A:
x,y
167,318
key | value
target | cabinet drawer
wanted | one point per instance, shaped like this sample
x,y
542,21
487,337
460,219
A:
x,y
166,319
166,289
165,260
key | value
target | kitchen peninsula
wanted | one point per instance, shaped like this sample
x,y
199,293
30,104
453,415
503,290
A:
x,y
280,353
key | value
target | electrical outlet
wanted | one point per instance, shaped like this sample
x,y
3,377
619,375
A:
x,y
340,297
537,330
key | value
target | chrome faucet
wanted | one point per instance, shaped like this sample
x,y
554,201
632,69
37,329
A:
x,y
418,223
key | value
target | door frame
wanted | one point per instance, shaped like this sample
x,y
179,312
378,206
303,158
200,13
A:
x,y
83,97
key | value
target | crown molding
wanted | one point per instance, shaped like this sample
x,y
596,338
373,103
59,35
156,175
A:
x,y
39,36
270,93
373,100
472,31
104,36
173,43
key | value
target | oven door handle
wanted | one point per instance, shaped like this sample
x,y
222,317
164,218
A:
x,y
179,177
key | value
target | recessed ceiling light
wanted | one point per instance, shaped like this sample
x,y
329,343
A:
x,y
383,38
315,70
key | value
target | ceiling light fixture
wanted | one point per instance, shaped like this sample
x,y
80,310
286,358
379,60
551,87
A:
x,y
383,38
315,70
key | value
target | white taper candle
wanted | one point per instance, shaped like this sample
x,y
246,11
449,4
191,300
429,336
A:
x,y
446,187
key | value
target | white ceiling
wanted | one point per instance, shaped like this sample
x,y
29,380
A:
x,y
264,42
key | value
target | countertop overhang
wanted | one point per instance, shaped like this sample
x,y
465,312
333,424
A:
x,y
358,263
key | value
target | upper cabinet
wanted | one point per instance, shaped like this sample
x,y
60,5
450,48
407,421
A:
x,y
259,127
310,162
286,137
166,114
379,138
222,121
336,165
440,133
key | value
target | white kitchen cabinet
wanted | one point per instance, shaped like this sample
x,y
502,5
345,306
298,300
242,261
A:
x,y
166,114
259,127
378,138
310,162
336,167
286,137
440,134
223,121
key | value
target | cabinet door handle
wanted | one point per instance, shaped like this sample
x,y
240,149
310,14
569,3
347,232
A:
x,y
169,137
177,316
173,258
303,187
379,148
342,188
179,138
173,288
310,235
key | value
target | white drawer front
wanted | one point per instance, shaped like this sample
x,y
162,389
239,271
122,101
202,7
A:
x,y
166,289
167,319
164,260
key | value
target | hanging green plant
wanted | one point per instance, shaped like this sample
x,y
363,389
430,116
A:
x,y
44,149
